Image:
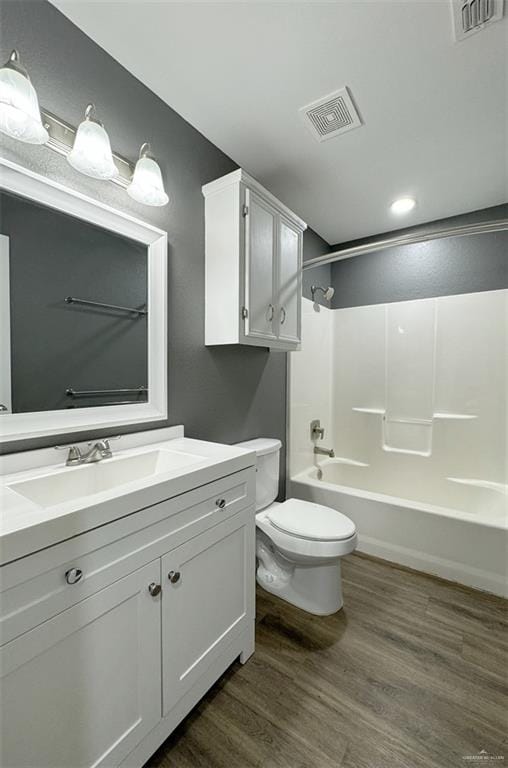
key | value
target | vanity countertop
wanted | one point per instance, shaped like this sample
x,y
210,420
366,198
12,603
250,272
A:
x,y
180,464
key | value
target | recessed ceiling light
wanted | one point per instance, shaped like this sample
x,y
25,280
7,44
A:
x,y
403,205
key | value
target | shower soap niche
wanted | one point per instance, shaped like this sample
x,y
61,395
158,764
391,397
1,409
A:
x,y
407,436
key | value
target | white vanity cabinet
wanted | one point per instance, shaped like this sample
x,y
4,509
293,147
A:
x,y
83,688
111,637
253,265
206,603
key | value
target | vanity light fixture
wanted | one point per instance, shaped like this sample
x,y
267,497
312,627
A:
x,y
87,147
91,153
403,205
20,117
147,185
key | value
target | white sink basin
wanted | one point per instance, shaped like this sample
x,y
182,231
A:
x,y
73,483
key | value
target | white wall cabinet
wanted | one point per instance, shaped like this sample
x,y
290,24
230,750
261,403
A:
x,y
105,680
253,265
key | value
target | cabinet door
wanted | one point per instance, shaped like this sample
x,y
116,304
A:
x,y
207,600
260,267
289,258
83,688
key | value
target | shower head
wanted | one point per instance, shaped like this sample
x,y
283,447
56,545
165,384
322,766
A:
x,y
327,292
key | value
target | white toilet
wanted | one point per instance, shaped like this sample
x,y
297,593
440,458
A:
x,y
298,544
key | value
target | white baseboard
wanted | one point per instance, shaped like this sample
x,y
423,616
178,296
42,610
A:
x,y
446,569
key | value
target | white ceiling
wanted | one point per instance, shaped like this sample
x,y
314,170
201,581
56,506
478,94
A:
x,y
434,111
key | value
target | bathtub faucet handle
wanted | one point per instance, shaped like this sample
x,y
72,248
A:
x,y
317,432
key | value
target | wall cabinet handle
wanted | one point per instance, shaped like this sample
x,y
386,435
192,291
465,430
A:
x,y
271,312
154,589
174,576
282,315
221,503
73,575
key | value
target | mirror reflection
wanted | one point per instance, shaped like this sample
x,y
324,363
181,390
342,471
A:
x,y
73,312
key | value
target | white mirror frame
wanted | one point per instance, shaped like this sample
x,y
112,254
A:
x,y
23,426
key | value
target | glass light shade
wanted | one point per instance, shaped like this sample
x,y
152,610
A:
x,y
147,186
20,116
91,153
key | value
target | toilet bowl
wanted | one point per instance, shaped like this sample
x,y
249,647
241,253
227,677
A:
x,y
299,544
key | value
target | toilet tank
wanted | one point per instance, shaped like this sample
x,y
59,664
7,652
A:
x,y
267,470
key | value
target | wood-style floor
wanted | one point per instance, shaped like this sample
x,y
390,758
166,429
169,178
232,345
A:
x,y
412,673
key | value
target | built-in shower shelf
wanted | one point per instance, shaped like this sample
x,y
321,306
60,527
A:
x,y
477,483
373,411
410,435
348,462
454,416
441,416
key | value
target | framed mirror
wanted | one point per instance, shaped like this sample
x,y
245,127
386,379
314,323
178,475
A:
x,y
83,312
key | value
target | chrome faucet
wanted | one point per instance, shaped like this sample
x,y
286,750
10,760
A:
x,y
325,452
97,452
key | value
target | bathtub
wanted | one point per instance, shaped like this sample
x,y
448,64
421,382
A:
x,y
458,530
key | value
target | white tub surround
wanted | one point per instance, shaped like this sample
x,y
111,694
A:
x,y
127,588
412,396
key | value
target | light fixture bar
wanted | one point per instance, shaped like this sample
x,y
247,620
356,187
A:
x,y
61,140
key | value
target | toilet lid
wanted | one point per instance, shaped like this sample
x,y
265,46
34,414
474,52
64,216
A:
x,y
311,521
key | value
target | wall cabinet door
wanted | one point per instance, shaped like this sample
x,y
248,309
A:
x,y
260,267
288,282
83,688
253,250
208,598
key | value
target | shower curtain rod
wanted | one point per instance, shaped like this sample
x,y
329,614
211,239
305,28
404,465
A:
x,y
392,242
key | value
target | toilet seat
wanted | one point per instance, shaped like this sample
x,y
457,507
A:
x,y
313,522
299,548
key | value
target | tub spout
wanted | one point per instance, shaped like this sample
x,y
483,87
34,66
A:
x,y
325,452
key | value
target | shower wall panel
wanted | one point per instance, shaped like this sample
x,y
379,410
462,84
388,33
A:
x,y
416,390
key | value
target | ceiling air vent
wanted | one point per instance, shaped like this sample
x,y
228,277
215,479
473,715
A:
x,y
471,16
330,116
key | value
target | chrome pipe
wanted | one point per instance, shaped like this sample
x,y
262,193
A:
x,y
393,242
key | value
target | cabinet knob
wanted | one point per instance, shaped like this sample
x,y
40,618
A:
x,y
154,589
174,576
221,503
282,315
73,575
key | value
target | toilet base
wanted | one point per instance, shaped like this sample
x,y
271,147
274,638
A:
x,y
313,588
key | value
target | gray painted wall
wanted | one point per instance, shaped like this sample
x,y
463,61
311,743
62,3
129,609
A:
x,y
433,268
55,345
223,394
315,246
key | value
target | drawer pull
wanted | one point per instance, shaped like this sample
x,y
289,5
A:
x,y
154,589
221,503
73,575
174,576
